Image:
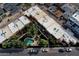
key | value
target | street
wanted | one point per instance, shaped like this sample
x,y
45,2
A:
x,y
51,52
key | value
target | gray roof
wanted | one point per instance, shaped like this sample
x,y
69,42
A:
x,y
11,7
1,11
69,7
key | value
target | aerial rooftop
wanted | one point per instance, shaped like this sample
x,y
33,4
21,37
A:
x,y
12,28
50,24
69,9
76,16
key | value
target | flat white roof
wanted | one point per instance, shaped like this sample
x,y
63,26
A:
x,y
76,16
45,22
19,24
56,31
24,20
13,27
28,11
50,24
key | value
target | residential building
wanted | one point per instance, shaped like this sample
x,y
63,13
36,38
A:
x,y
73,23
55,11
68,10
10,29
50,24
52,9
13,8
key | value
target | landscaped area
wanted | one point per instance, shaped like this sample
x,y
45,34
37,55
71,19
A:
x,y
28,36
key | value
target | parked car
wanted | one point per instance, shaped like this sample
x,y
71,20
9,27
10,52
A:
x,y
33,51
45,50
68,50
61,50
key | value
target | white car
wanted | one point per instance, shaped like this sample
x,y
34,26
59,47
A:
x,y
68,49
33,51
45,50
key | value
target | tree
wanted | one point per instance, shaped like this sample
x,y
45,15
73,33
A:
x,y
12,42
27,5
19,44
6,45
32,30
15,37
43,42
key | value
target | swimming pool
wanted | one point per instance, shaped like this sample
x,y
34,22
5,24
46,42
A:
x,y
28,41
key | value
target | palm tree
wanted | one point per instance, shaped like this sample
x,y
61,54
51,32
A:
x,y
43,42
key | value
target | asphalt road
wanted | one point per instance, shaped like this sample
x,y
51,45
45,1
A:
x,y
25,52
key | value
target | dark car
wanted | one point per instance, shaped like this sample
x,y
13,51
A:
x,y
61,50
